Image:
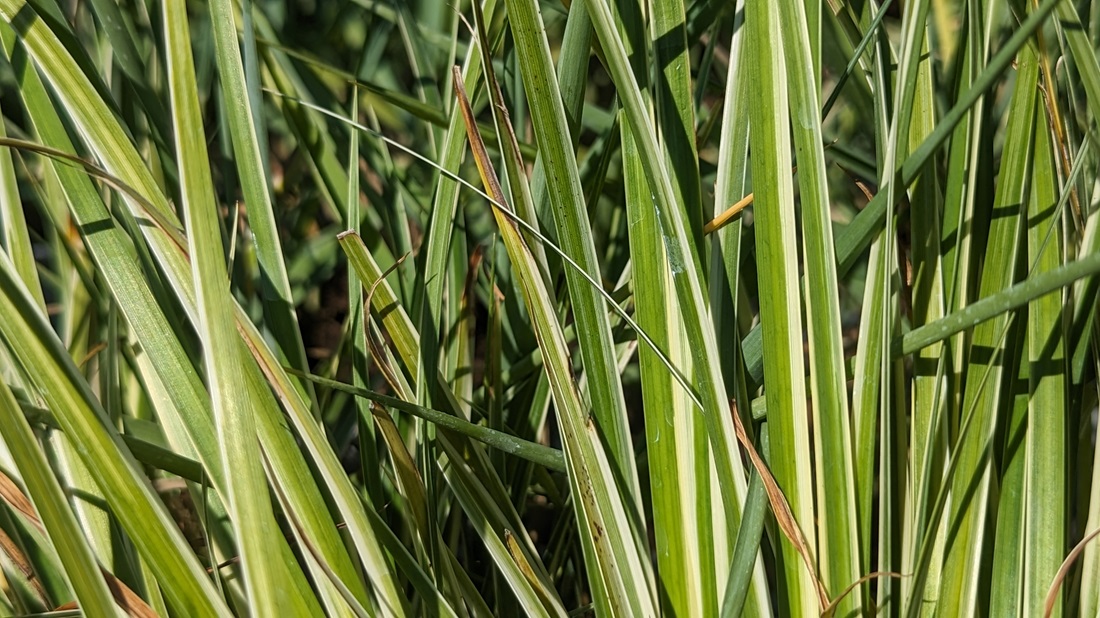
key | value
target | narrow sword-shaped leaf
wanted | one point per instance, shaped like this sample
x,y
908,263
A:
x,y
434,275
993,305
838,523
698,519
930,382
860,232
175,388
780,302
1045,535
531,451
572,74
575,236
971,483
243,127
143,196
469,472
730,185
249,504
611,550
13,226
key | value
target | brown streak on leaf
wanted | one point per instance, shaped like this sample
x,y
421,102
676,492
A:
x,y
481,156
126,598
783,516
14,496
21,562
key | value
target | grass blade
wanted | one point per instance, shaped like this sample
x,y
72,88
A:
x,y
243,126
249,504
1044,536
777,258
970,485
686,268
838,542
552,133
611,552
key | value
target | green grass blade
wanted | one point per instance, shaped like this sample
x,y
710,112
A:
x,y
673,109
929,398
1045,535
1006,578
531,451
441,226
552,133
100,128
266,580
866,389
514,167
480,479
860,232
434,314
13,226
701,530
359,321
612,303
780,302
572,73
346,499
482,507
838,524
610,547
97,124
970,485
668,420
993,305
895,144
243,126
184,408
901,235
730,317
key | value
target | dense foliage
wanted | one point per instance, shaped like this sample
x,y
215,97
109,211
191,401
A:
x,y
375,307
